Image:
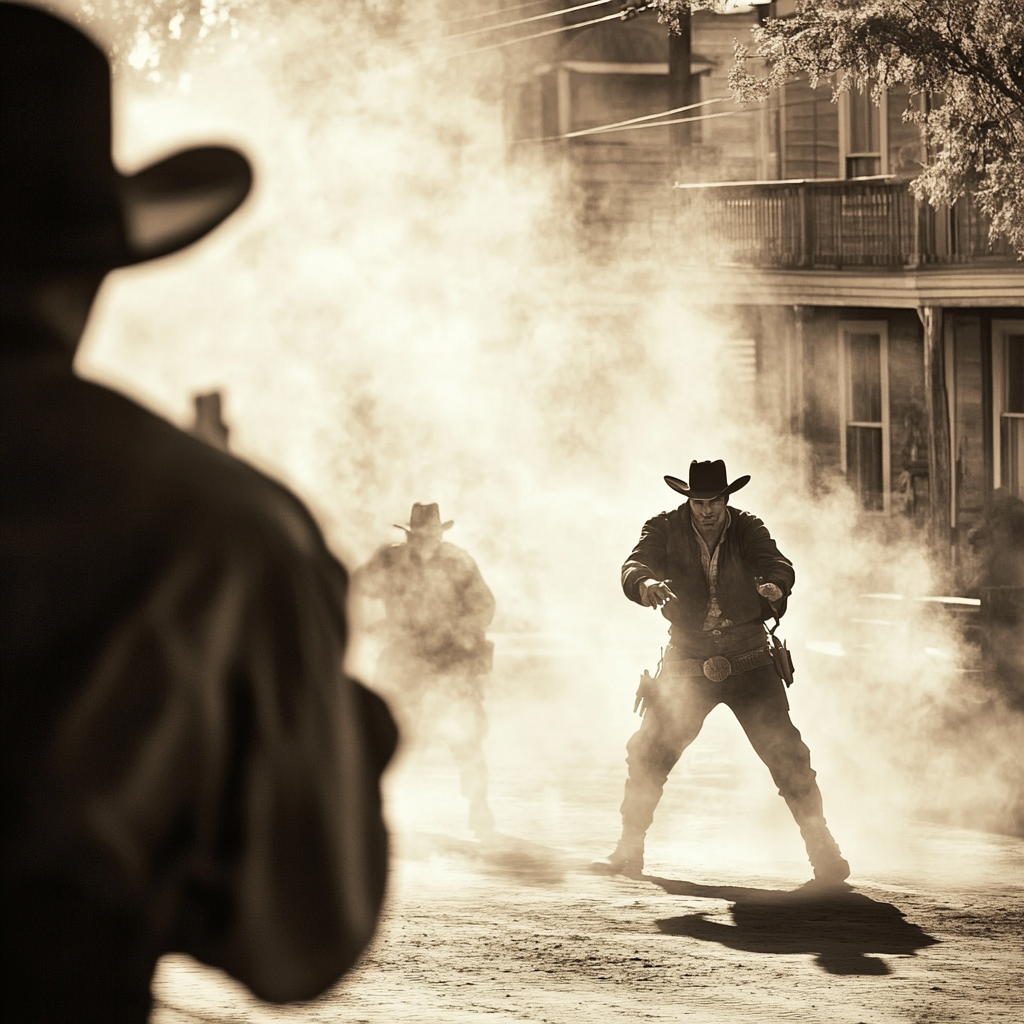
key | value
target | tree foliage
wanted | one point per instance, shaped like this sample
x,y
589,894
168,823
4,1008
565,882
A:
x,y
964,57
152,37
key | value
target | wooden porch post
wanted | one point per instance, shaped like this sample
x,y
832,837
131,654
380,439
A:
x,y
795,391
680,84
937,406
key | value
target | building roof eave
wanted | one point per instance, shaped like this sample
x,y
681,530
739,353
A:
x,y
888,289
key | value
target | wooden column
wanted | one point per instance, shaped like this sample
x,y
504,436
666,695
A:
x,y
796,392
680,83
937,404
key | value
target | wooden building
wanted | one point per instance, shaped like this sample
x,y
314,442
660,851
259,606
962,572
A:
x,y
888,334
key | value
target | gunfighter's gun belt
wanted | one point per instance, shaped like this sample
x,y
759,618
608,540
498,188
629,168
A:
x,y
718,668
715,668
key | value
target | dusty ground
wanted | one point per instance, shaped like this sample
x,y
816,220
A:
x,y
719,931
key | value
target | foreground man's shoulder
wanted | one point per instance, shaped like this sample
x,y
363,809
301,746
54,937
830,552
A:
x,y
125,471
234,496
185,486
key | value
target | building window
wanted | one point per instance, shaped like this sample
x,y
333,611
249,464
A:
x,y
1008,405
862,140
809,132
864,430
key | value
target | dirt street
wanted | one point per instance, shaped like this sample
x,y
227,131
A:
x,y
718,931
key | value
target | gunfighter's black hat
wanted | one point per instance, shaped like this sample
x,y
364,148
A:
x,y
708,480
65,207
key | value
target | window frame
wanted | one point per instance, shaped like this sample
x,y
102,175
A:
x,y
881,328
844,134
1001,329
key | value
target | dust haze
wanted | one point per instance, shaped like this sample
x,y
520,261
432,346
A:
x,y
399,314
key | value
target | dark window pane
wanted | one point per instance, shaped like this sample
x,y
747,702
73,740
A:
x,y
1011,445
864,465
865,378
864,134
968,420
1015,373
863,166
810,132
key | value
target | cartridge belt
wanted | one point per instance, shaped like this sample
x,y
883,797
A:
x,y
718,667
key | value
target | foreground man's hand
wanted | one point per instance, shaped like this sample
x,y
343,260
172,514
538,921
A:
x,y
770,592
654,594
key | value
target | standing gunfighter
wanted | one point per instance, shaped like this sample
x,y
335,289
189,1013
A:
x,y
185,767
717,575
438,608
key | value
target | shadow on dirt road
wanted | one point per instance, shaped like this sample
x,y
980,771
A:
x,y
506,856
839,925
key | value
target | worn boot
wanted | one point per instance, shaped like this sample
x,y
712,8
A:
x,y
627,858
830,867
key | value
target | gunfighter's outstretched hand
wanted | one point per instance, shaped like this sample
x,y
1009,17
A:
x,y
654,594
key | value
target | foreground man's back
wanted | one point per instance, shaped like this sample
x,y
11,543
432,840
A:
x,y
185,767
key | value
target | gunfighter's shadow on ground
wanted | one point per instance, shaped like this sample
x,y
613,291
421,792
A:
x,y
839,926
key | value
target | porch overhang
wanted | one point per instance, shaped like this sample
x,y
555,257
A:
x,y
959,286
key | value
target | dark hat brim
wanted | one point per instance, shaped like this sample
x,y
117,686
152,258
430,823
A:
x,y
684,488
409,528
176,201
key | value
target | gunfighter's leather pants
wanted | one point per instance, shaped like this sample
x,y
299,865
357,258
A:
x,y
674,714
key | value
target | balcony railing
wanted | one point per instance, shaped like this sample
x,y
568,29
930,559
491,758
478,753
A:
x,y
828,225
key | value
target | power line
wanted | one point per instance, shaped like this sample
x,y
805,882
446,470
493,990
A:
x,y
523,21
632,122
536,35
656,124
490,14
644,117
625,126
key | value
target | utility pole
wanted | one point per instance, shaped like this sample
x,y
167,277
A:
x,y
680,85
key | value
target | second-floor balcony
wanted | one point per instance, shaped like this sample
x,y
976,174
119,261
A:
x,y
829,224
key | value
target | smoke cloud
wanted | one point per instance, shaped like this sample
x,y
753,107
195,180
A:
x,y
400,314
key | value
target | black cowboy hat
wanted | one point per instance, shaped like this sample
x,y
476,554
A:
x,y
708,480
425,518
65,207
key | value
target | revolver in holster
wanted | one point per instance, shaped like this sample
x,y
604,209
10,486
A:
x,y
644,693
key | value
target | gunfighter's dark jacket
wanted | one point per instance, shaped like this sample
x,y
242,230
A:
x,y
668,550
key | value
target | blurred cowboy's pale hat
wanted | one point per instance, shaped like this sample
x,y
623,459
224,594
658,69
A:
x,y
426,519
65,206
708,480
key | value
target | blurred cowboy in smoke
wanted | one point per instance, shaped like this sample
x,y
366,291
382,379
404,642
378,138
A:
x,y
437,609
185,767
717,576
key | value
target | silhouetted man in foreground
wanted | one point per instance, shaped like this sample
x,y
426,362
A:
x,y
717,576
185,767
438,610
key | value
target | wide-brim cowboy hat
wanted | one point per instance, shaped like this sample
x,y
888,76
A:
x,y
708,480
65,206
426,518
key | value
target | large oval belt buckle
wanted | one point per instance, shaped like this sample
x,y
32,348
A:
x,y
717,669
